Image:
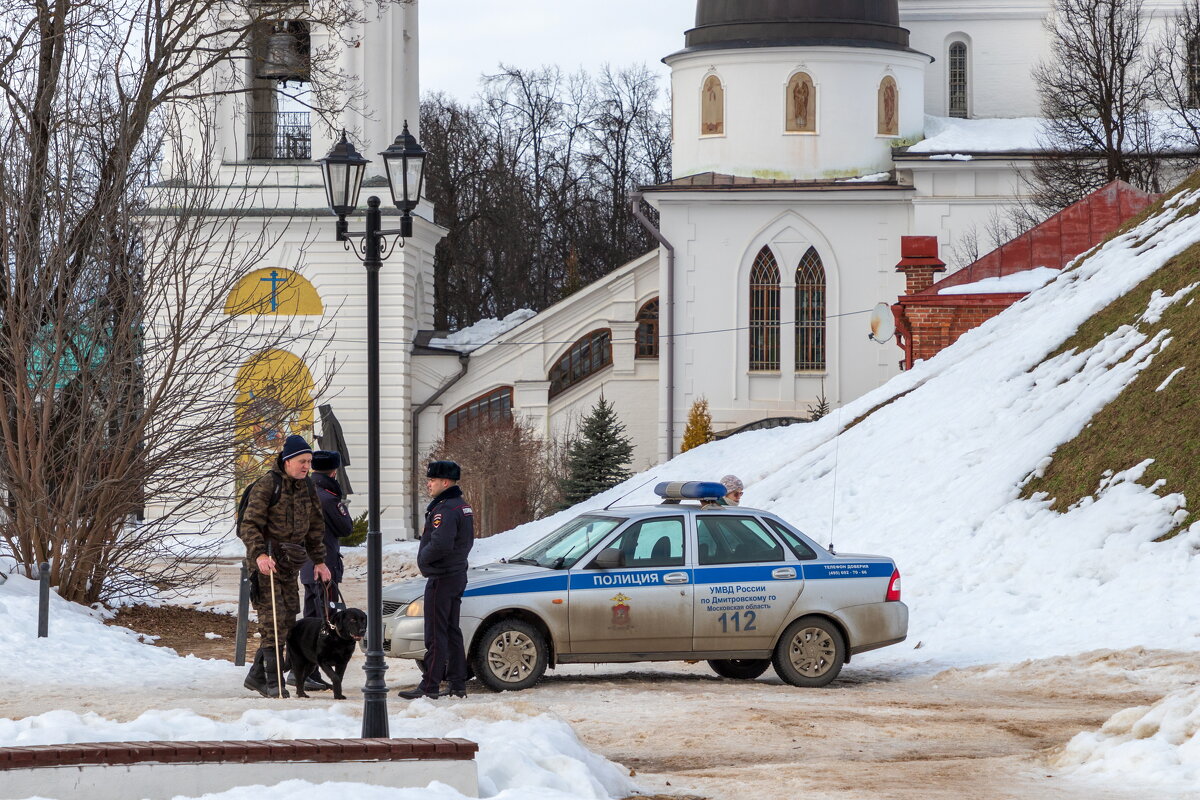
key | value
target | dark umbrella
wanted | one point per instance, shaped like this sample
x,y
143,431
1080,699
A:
x,y
332,438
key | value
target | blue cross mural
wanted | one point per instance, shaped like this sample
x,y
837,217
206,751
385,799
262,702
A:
x,y
275,281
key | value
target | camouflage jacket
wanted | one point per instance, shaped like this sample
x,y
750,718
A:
x,y
295,518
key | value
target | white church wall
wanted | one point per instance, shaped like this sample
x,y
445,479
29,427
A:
x,y
755,142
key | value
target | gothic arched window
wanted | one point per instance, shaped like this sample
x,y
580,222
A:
x,y
764,312
589,355
810,312
712,107
495,406
801,104
889,108
647,330
958,80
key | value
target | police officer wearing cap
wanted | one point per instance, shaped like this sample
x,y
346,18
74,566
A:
x,y
442,558
338,525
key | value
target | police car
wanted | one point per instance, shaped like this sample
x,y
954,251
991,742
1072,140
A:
x,y
735,586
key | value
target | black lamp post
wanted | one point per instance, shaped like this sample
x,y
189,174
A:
x,y
342,171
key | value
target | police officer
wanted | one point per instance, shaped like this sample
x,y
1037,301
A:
x,y
442,558
282,523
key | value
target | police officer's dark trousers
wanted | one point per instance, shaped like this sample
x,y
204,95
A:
x,y
445,656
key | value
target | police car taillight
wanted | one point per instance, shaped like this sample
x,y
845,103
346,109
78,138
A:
x,y
893,592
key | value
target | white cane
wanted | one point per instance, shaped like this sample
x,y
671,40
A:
x,y
275,628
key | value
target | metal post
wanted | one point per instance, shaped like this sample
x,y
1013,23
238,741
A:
x,y
375,719
44,600
243,618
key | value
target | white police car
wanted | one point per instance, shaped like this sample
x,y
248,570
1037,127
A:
x,y
733,585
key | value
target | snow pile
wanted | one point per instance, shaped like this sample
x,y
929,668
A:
x,y
81,650
874,177
519,755
1160,744
1024,281
951,135
482,332
933,479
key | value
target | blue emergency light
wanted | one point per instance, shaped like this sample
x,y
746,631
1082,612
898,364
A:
x,y
674,491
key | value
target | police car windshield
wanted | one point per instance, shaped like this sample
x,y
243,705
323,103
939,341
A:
x,y
569,543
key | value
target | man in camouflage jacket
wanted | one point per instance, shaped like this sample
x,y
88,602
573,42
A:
x,y
282,524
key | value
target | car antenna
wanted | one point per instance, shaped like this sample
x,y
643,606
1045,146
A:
x,y
837,440
622,497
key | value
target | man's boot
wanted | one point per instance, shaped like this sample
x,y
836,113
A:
x,y
271,674
256,680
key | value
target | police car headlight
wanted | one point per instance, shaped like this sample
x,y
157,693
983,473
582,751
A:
x,y
415,609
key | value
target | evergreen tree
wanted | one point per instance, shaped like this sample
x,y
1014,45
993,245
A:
x,y
599,459
699,426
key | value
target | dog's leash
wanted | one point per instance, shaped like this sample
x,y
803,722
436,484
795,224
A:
x,y
328,627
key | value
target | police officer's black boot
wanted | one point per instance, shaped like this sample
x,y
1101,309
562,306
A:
x,y
256,680
271,674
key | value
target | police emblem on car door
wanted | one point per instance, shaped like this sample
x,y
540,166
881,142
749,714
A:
x,y
651,610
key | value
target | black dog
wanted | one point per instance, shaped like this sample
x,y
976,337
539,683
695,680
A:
x,y
312,645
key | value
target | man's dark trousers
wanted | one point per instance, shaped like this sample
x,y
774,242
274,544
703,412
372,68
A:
x,y
445,656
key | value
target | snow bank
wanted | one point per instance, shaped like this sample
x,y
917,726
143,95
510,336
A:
x,y
933,479
950,135
482,332
1025,281
1160,744
519,755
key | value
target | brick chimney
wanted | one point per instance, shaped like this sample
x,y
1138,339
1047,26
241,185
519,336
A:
x,y
919,262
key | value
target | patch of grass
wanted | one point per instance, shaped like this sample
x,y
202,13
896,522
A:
x,y
1141,423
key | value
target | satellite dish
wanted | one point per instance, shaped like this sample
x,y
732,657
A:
x,y
883,324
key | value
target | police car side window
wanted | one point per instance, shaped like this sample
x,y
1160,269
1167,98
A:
x,y
734,540
652,543
802,550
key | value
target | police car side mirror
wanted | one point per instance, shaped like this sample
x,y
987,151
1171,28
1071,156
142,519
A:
x,y
611,558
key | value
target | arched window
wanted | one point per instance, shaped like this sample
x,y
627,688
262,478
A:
x,y
647,330
889,107
764,312
810,312
273,291
801,103
590,354
495,406
712,107
958,80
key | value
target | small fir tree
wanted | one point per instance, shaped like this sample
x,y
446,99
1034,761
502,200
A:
x,y
599,459
699,426
819,409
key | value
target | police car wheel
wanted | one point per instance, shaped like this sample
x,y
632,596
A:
x,y
511,655
810,653
745,669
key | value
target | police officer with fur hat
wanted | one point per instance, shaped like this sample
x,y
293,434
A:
x,y
338,525
442,558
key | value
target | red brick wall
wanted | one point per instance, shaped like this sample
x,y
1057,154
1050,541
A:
x,y
934,326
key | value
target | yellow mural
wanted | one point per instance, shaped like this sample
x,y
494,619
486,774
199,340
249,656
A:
x,y
274,400
273,291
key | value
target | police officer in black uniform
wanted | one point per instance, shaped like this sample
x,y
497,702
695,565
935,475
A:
x,y
338,525
442,558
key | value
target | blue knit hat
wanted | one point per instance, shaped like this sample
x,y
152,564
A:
x,y
294,446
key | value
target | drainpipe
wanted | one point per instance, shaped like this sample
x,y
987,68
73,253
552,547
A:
x,y
416,429
635,205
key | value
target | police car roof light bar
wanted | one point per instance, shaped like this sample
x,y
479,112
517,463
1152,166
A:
x,y
674,491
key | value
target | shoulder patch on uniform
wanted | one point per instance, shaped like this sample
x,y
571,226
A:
x,y
467,511
341,507
437,520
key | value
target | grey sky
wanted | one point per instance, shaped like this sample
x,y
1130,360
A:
x,y
461,39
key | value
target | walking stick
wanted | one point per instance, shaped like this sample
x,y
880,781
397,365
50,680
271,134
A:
x,y
275,628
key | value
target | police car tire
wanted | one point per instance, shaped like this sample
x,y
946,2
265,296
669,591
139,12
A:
x,y
809,640
744,669
516,633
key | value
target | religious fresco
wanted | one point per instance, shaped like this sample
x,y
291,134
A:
x,y
801,104
274,400
889,107
273,291
712,107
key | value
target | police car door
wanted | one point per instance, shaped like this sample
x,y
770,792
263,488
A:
x,y
644,605
745,584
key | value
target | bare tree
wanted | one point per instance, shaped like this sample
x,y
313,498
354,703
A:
x,y
1096,91
118,345
1176,68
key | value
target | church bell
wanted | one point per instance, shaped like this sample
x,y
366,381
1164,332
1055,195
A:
x,y
286,57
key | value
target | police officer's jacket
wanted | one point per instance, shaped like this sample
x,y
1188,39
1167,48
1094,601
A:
x,y
295,518
338,525
448,535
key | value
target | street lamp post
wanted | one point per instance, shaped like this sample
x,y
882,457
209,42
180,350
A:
x,y
342,172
